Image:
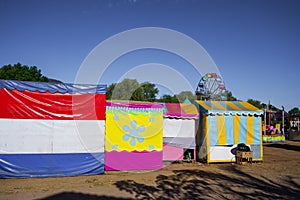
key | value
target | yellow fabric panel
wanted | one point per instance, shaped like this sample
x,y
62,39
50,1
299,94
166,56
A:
x,y
261,146
250,130
218,105
206,137
189,108
236,128
205,129
122,125
248,106
221,127
204,105
233,106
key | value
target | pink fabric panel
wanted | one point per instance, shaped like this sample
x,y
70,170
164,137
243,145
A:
x,y
133,160
179,111
172,153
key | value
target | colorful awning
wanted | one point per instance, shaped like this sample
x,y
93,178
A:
x,y
228,107
176,110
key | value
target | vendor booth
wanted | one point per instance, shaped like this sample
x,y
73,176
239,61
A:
x,y
134,132
51,129
180,124
225,124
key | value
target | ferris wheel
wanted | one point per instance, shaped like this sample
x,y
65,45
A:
x,y
211,87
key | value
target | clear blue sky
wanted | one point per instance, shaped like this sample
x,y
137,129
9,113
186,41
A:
x,y
254,43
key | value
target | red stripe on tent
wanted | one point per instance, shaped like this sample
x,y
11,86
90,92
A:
x,y
16,104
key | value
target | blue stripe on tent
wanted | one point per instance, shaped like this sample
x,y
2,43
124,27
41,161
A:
x,y
225,105
229,129
257,130
243,129
52,87
237,104
46,165
213,130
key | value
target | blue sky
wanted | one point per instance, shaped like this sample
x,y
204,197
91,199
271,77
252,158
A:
x,y
254,43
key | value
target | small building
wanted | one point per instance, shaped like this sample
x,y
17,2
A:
x,y
180,127
225,124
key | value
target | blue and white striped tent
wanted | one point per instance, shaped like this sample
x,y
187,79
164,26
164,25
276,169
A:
x,y
224,125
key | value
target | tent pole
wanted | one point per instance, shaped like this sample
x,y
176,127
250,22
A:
x,y
265,121
282,120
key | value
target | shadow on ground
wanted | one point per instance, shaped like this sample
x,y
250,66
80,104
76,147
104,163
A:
x,y
79,196
200,184
285,146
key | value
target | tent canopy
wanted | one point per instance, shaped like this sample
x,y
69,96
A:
x,y
52,87
224,124
228,107
176,110
187,101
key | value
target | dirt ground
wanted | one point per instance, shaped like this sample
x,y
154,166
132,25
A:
x,y
278,177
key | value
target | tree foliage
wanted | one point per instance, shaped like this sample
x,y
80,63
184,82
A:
x,y
255,103
229,96
186,94
294,110
150,91
169,99
110,90
130,89
22,73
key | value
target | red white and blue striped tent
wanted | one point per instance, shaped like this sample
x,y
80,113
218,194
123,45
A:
x,y
49,129
224,125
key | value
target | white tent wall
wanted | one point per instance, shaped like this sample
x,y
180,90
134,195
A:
x,y
179,128
51,136
43,148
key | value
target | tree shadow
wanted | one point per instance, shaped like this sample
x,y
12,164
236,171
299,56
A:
x,y
285,146
80,196
231,183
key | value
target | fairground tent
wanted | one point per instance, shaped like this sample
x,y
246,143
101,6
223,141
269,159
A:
x,y
179,130
51,129
134,132
224,125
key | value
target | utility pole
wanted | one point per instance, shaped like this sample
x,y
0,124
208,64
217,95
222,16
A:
x,y
282,119
265,120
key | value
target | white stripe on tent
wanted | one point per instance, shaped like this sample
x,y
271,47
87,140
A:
x,y
51,136
222,153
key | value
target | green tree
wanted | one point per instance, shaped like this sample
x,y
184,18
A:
x,y
169,99
150,91
126,90
130,89
294,110
22,73
229,96
110,90
255,103
186,94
